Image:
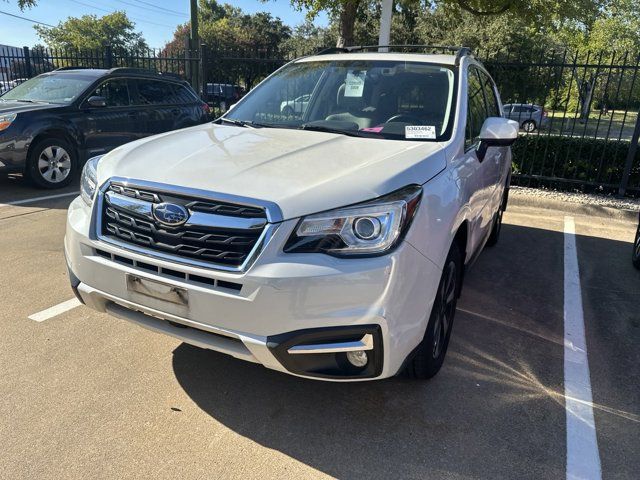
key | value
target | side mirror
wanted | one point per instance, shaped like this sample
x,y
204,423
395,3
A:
x,y
96,101
496,132
231,107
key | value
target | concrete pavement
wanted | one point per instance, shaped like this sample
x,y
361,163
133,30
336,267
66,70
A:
x,y
88,396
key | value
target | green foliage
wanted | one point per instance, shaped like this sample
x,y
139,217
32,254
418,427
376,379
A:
x,y
224,26
93,32
23,4
306,39
596,162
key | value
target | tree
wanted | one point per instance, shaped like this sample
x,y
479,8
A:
x,y
224,27
535,12
92,32
306,39
22,4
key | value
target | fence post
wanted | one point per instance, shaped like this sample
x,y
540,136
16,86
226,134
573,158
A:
x,y
108,56
631,156
187,60
27,62
204,54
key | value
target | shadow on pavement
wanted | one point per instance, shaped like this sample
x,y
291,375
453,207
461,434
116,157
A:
x,y
14,187
496,410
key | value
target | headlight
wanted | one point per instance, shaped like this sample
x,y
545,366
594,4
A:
x,y
89,180
371,228
6,120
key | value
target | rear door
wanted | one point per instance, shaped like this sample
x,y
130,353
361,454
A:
x,y
155,98
106,128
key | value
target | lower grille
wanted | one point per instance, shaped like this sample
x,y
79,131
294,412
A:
x,y
217,233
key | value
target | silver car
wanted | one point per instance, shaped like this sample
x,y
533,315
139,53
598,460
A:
x,y
529,116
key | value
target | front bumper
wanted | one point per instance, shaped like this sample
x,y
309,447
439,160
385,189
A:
x,y
282,301
13,152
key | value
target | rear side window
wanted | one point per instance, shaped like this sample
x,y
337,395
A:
x,y
523,109
182,94
115,92
151,92
476,109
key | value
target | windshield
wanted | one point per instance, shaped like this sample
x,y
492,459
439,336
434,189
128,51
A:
x,y
378,99
62,88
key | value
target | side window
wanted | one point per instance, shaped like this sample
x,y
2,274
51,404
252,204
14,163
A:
x,y
476,110
183,94
153,92
116,92
490,95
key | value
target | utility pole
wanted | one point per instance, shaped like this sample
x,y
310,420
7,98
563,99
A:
x,y
194,45
385,24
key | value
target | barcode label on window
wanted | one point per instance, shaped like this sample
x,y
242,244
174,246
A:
x,y
420,132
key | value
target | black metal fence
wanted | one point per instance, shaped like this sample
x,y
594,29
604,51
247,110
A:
x,y
578,110
586,137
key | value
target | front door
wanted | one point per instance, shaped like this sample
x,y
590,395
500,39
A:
x,y
484,170
108,127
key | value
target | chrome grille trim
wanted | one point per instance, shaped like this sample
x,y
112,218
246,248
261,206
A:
x,y
133,196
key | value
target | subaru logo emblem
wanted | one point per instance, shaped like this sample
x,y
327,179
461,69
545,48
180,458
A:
x,y
170,214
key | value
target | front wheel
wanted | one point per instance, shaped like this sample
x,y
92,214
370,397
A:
x,y
636,250
52,162
429,356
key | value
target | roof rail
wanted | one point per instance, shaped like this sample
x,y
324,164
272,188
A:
x,y
131,70
72,68
458,51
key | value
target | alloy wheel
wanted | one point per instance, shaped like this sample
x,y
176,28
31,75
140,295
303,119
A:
x,y
54,164
446,308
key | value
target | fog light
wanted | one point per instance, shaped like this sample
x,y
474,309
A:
x,y
358,358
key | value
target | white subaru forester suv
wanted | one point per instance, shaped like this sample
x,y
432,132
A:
x,y
329,242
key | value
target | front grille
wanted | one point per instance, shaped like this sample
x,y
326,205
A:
x,y
217,233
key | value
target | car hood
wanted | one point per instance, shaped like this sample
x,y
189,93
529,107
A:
x,y
10,106
302,172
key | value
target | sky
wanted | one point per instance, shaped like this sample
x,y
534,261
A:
x,y
156,19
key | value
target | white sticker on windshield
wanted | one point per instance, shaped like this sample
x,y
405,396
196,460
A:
x,y
354,84
420,132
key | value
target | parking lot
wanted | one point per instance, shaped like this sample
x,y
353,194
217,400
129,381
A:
x,y
86,396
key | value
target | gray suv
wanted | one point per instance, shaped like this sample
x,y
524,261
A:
x,y
529,116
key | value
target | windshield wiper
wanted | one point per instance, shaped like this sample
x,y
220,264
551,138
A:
x,y
323,128
239,123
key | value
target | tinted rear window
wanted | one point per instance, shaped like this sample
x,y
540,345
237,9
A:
x,y
153,92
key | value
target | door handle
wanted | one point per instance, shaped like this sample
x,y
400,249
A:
x,y
133,114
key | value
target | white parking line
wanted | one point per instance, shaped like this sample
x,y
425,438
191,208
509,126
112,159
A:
x,y
583,457
37,199
55,310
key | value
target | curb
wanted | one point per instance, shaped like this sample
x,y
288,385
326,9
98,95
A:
x,y
522,200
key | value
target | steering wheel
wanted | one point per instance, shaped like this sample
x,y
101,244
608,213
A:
x,y
404,118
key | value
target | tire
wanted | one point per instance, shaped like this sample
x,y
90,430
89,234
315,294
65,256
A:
x,y
52,163
429,355
529,126
636,250
288,111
